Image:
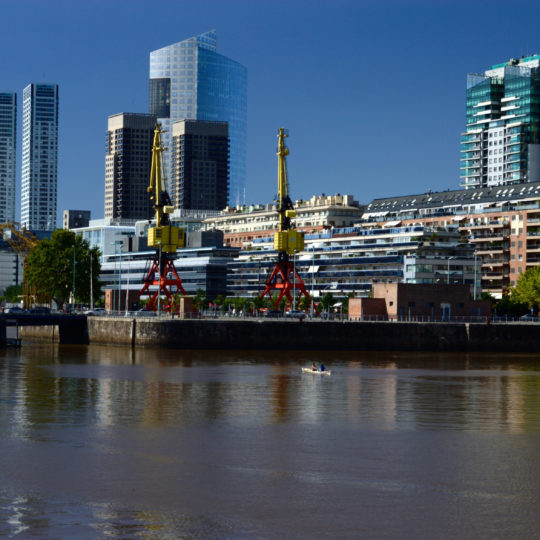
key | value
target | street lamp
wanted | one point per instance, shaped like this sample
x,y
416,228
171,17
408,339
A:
x,y
312,277
294,281
116,297
474,287
73,305
448,271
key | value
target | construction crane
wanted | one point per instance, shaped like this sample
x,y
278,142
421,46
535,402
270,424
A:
x,y
22,242
163,236
287,241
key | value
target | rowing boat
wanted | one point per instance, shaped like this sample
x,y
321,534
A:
x,y
315,372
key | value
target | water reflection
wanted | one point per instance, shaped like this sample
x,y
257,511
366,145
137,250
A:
x,y
109,386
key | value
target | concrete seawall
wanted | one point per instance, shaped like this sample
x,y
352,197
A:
x,y
316,335
320,335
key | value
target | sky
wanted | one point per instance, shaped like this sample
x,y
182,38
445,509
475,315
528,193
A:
x,y
372,92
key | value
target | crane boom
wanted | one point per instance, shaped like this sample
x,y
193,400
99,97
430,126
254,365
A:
x,y
164,234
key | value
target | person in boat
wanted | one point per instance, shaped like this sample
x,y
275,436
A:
x,y
322,367
313,367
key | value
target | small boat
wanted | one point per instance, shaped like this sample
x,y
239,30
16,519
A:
x,y
315,372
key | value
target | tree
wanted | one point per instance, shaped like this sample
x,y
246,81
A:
x,y
327,301
13,293
527,289
52,265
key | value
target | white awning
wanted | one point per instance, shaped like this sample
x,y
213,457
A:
x,y
313,269
459,218
373,214
392,224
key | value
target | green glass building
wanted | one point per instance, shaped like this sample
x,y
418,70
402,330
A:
x,y
501,145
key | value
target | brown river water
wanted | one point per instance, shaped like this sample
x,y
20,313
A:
x,y
105,442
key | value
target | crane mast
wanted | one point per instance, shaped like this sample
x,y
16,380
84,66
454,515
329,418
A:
x,y
164,237
287,241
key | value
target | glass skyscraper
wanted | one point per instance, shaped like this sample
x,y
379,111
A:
x,y
8,137
501,144
39,157
191,80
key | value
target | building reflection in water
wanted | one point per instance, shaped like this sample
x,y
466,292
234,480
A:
x,y
107,386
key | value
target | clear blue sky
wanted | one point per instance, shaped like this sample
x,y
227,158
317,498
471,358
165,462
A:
x,y
372,92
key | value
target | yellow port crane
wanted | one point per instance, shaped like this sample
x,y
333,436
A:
x,y
287,241
163,236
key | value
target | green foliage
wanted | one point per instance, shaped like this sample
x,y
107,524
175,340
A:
x,y
13,293
327,301
304,303
200,299
49,268
508,306
527,289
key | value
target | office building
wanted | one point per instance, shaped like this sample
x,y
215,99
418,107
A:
x,y
501,144
75,219
39,157
191,80
8,137
200,165
127,166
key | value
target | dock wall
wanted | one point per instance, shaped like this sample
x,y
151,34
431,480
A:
x,y
306,335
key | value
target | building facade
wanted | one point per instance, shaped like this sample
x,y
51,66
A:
x,y
39,189
501,145
200,165
127,166
8,139
191,80
243,224
501,223
350,260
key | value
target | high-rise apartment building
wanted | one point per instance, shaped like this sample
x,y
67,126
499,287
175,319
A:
x,y
8,137
200,164
127,166
39,157
501,144
191,80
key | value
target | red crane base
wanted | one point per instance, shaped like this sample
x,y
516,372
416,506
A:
x,y
284,278
164,285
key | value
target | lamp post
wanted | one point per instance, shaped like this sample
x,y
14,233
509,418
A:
x,y
116,297
159,289
91,284
474,287
294,281
312,277
448,271
73,306
127,272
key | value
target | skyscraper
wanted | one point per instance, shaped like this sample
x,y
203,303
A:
x,y
190,80
200,164
39,157
501,144
127,165
8,136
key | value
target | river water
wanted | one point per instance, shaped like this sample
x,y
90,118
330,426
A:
x,y
105,442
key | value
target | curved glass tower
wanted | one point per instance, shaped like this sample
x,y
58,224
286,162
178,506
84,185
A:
x,y
191,80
